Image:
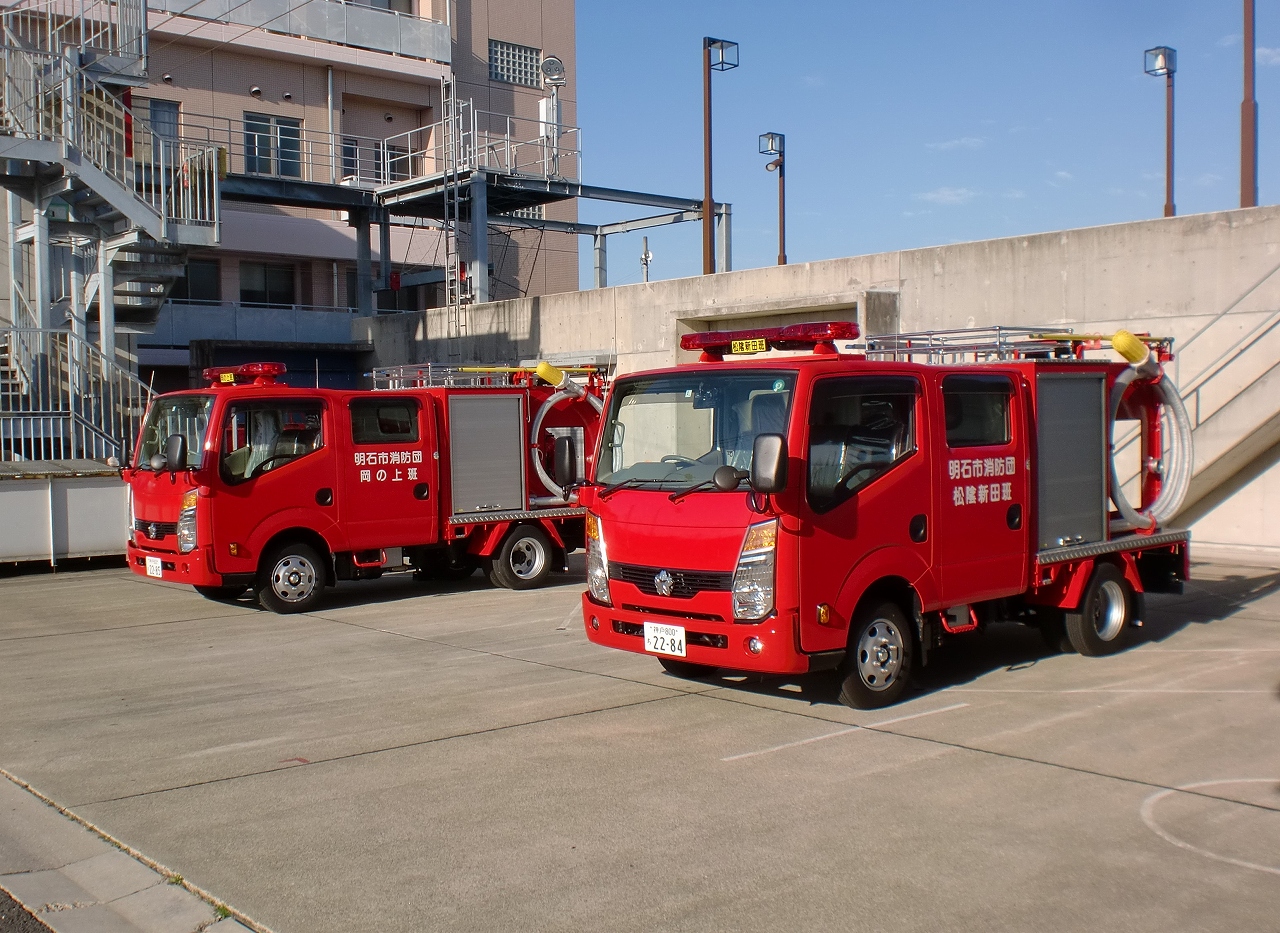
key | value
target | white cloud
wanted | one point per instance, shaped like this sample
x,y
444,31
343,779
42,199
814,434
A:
x,y
1208,180
965,142
1268,56
1063,176
1227,41
1015,194
948,195
813,80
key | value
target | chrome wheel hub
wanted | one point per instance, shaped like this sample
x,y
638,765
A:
x,y
293,579
527,559
1109,610
879,657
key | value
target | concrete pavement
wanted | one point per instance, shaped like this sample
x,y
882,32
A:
x,y
462,759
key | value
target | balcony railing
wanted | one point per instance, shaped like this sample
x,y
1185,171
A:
x,y
338,21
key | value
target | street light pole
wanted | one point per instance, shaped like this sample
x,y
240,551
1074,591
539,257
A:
x,y
717,55
775,144
1162,62
1249,117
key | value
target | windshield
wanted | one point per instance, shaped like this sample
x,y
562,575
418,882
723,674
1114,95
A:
x,y
674,430
175,414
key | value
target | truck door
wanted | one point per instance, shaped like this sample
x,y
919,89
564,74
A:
x,y
274,455
389,485
866,490
981,504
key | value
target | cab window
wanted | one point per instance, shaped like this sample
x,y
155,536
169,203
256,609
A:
x,y
977,410
859,427
384,421
261,436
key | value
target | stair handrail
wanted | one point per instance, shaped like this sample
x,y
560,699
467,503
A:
x,y
115,28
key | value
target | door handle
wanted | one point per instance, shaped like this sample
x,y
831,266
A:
x,y
422,491
1013,517
919,528
324,496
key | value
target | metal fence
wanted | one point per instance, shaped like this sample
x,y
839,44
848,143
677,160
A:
x,y
111,28
62,399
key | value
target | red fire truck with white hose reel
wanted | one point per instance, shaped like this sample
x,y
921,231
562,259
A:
x,y
253,484
852,511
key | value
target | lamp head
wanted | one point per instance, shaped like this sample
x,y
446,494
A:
x,y
1160,61
724,53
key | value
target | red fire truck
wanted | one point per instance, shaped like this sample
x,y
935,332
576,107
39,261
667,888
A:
x,y
851,511
252,484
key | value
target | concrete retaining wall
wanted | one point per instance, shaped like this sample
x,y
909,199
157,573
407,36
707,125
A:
x,y
1203,279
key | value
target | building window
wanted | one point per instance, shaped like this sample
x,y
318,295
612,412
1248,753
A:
x,y
265,283
202,284
533,212
514,64
163,117
272,146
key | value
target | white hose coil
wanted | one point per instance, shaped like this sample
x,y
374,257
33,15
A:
x,y
1178,463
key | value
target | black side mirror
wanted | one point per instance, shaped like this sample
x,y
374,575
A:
x,y
566,461
769,463
727,478
175,453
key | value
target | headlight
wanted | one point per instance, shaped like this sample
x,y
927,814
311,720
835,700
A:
x,y
753,577
133,521
597,562
187,523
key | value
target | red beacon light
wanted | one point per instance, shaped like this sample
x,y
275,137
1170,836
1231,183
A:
x,y
262,374
817,337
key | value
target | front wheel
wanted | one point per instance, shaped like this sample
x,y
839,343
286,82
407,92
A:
x,y
1105,613
523,561
291,579
877,666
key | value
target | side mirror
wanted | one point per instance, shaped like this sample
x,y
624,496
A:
x,y
727,478
566,461
769,463
175,453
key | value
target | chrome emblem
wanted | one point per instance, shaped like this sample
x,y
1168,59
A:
x,y
663,582
151,530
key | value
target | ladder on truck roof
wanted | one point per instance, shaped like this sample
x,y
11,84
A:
x,y
431,375
989,344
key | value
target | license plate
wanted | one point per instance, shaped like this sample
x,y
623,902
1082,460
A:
x,y
756,345
154,567
664,639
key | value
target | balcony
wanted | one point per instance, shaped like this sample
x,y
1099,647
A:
x,y
338,21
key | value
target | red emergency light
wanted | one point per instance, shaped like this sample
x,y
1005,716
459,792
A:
x,y
819,336
260,373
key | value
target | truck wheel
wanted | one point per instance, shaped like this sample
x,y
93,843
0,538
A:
x,y
1105,613
877,666
220,594
685,669
523,561
291,579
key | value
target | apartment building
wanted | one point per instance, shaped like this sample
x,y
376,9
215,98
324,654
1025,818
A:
x,y
308,108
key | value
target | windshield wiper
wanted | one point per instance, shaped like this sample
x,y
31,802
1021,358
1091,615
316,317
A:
x,y
677,496
625,484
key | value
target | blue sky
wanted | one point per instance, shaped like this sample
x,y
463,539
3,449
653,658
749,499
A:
x,y
915,123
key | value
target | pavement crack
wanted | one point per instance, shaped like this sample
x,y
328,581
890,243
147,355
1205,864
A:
x,y
389,748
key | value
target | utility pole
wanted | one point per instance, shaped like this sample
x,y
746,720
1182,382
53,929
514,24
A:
x,y
1249,117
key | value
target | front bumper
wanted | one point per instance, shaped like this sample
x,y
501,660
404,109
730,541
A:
x,y
713,643
193,568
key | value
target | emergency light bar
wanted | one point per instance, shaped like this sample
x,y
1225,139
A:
x,y
260,373
819,337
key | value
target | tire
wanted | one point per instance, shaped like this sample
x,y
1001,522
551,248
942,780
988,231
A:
x,y
291,579
438,568
1105,613
221,594
524,560
877,666
686,670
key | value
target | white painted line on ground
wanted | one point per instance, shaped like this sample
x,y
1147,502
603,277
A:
x,y
1148,817
1102,690
831,735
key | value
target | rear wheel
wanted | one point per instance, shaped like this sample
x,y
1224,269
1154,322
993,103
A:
x,y
221,594
877,666
685,669
291,579
446,568
523,561
1105,613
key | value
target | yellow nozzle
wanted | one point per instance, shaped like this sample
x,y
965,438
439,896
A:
x,y
1130,347
549,373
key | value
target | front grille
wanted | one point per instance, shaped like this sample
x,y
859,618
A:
x,y
675,613
684,583
154,531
